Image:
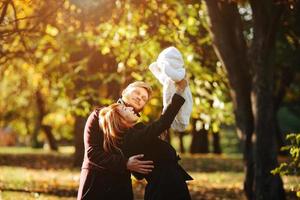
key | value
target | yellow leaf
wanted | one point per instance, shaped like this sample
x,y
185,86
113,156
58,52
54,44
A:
x,y
131,62
51,30
105,50
176,22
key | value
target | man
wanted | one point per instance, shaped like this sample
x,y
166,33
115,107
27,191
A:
x,y
98,165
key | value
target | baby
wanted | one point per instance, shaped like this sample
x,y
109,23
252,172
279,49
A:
x,y
168,69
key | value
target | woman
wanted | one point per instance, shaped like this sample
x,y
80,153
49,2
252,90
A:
x,y
122,133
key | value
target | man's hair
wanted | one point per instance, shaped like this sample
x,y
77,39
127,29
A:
x,y
140,84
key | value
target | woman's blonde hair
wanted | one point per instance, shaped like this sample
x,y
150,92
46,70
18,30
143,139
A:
x,y
113,125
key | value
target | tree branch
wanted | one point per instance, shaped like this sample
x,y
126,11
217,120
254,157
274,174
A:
x,y
266,18
17,27
3,13
227,31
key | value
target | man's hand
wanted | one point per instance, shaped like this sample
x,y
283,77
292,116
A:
x,y
136,165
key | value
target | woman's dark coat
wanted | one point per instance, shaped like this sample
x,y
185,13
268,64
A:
x,y
167,180
103,175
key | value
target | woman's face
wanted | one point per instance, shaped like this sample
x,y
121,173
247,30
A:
x,y
128,114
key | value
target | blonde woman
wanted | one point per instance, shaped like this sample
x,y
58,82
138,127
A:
x,y
123,134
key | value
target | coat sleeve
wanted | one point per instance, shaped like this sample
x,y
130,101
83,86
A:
x,y
93,143
163,123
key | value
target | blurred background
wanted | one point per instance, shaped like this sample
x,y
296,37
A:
x,y
61,59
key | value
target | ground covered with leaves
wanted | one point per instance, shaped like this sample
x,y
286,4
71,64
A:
x,y
49,176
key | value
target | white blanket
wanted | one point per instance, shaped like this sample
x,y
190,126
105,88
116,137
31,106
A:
x,y
168,69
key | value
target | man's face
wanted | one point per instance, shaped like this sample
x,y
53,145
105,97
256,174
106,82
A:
x,y
136,97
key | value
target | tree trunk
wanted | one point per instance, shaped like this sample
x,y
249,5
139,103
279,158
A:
x,y
50,138
38,122
216,143
226,30
34,138
267,186
200,142
78,140
203,141
265,16
38,126
181,146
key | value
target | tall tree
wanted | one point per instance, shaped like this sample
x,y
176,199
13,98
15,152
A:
x,y
251,77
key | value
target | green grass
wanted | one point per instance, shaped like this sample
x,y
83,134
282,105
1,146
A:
x,y
235,180
40,174
65,150
21,178
212,163
65,182
7,195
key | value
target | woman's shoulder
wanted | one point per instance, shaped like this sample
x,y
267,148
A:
x,y
96,110
139,125
133,130
94,114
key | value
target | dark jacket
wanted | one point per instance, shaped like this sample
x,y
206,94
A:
x,y
103,175
167,180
